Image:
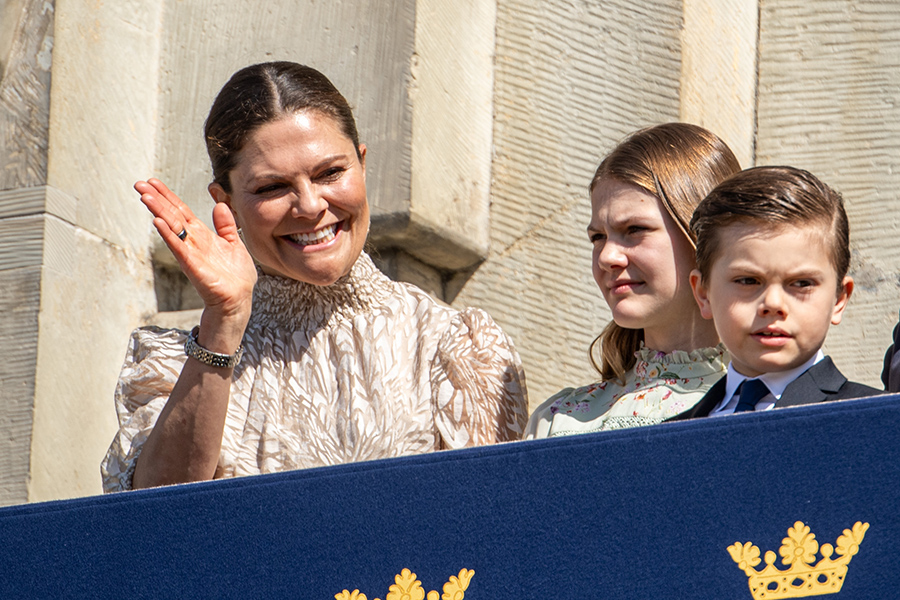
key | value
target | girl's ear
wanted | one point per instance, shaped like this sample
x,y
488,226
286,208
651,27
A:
x,y
701,294
843,296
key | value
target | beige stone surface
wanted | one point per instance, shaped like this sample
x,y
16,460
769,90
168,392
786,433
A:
x,y
829,83
103,113
19,299
451,90
718,70
92,295
571,79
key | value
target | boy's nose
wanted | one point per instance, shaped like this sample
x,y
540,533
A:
x,y
772,301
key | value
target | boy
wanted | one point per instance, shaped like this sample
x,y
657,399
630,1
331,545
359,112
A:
x,y
773,251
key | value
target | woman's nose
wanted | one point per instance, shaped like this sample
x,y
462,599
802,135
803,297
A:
x,y
307,202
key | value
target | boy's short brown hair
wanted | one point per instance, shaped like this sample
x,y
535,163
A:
x,y
775,197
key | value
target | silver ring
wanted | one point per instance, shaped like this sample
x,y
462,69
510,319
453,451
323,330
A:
x,y
183,235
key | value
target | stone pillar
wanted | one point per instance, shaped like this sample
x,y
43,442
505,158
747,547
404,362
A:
x,y
26,212
74,278
718,71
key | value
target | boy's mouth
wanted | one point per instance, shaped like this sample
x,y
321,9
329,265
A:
x,y
771,335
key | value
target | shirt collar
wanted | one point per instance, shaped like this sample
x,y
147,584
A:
x,y
776,381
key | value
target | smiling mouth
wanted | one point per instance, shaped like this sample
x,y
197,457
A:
x,y
320,236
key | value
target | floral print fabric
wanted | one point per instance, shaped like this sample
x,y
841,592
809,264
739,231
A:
x,y
363,369
658,387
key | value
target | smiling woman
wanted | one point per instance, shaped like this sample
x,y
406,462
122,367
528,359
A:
x,y
306,355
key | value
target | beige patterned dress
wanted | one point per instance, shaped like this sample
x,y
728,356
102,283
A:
x,y
363,369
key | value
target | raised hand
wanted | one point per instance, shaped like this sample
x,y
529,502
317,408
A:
x,y
216,262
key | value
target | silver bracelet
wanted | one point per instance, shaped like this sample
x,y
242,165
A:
x,y
207,357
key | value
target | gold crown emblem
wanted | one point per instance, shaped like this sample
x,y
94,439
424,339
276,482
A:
x,y
408,587
798,550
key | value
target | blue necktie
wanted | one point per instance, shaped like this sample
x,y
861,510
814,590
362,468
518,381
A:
x,y
752,391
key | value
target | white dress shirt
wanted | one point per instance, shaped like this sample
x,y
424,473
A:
x,y
776,382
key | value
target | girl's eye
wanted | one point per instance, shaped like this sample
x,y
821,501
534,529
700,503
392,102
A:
x,y
636,228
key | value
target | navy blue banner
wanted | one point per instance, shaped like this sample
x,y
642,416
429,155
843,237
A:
x,y
640,513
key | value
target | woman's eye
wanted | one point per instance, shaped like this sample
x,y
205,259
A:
x,y
332,174
268,189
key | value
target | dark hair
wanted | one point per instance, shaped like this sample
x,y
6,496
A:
x,y
679,163
263,93
772,197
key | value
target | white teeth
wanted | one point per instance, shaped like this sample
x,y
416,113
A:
x,y
326,234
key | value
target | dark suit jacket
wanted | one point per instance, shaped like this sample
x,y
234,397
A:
x,y
890,375
820,383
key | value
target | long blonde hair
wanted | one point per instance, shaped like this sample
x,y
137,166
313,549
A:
x,y
680,164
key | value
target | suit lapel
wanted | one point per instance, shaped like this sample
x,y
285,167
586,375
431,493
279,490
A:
x,y
709,401
814,385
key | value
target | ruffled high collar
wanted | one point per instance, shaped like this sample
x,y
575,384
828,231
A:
x,y
649,355
652,364
281,301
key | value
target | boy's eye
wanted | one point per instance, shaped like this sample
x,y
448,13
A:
x,y
804,283
746,280
596,237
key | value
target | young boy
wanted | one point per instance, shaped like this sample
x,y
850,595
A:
x,y
773,251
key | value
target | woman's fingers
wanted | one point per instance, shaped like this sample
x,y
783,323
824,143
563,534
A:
x,y
166,205
223,221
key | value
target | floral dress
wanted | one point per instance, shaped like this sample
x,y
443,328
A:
x,y
658,387
363,369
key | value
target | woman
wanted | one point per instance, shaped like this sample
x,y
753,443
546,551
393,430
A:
x,y
312,357
658,355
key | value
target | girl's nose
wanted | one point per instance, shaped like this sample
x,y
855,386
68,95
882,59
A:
x,y
611,256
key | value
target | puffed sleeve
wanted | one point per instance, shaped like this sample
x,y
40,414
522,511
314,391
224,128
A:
x,y
152,365
478,383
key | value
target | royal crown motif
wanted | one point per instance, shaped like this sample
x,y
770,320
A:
x,y
408,587
798,550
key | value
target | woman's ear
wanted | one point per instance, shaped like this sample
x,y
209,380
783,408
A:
x,y
843,297
220,196
701,294
362,159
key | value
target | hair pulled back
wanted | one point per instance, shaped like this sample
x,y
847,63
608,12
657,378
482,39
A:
x,y
263,93
775,197
680,164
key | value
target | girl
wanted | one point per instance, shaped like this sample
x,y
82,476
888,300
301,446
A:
x,y
658,356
